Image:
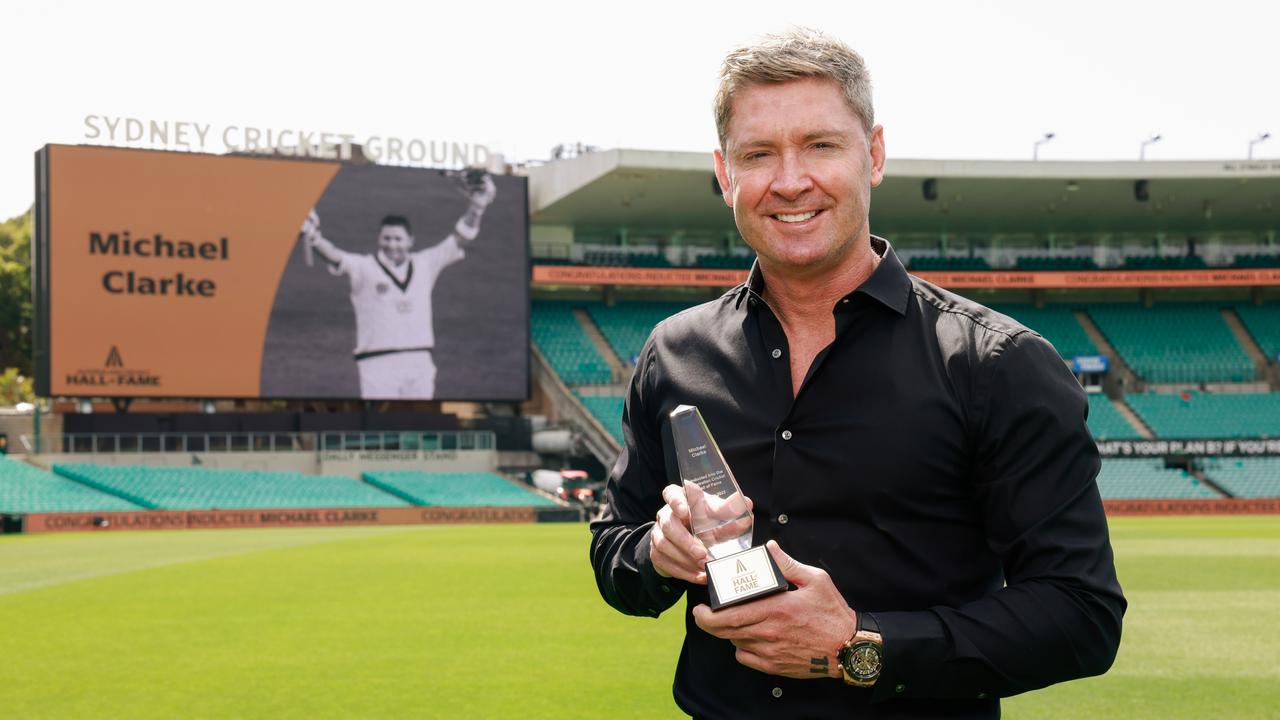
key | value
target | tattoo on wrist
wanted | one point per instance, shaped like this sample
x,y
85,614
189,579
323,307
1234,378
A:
x,y
818,665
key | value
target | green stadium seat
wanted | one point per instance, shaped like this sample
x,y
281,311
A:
x,y
1145,478
565,345
1197,415
197,488
1255,477
608,410
1174,343
27,489
456,489
1106,422
1058,325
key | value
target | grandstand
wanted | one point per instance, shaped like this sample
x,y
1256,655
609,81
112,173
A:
x,y
1072,250
1143,479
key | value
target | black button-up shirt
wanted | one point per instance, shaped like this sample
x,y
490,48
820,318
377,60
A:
x,y
935,462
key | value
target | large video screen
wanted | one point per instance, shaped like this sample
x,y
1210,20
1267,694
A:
x,y
162,274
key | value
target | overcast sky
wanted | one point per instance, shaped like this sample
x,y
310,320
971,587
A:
x,y
952,79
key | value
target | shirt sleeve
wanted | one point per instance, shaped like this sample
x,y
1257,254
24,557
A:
x,y
633,495
1058,617
442,254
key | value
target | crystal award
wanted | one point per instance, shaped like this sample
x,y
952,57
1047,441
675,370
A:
x,y
719,516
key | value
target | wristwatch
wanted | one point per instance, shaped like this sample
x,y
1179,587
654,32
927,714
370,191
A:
x,y
862,658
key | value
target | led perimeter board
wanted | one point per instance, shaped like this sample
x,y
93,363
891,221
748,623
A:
x,y
168,274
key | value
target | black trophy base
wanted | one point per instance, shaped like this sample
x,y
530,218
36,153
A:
x,y
743,576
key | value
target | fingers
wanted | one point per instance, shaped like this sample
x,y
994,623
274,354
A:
x,y
792,569
674,551
675,497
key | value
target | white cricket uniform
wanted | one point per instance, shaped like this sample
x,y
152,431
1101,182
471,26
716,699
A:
x,y
395,333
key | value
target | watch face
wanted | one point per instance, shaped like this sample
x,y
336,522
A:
x,y
863,660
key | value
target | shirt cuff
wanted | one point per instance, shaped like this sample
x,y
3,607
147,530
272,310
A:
x,y
915,648
662,592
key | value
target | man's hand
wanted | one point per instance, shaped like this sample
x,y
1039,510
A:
x,y
674,551
794,634
483,193
307,235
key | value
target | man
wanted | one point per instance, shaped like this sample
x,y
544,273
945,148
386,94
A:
x,y
391,294
919,465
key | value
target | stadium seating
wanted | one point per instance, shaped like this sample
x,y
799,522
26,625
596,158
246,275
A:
x,y
1196,414
627,325
927,263
608,410
1164,262
1057,324
195,488
455,489
1175,342
1106,422
566,346
24,489
1256,261
1145,478
620,258
1036,263
1245,477
1263,323
725,262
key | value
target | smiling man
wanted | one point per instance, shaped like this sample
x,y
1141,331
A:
x,y
391,295
919,465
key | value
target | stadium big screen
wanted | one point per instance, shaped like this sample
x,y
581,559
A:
x,y
163,274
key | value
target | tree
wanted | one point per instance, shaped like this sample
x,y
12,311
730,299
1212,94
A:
x,y
15,294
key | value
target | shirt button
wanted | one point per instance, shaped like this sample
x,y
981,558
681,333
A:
x,y
777,692
786,434
776,353
982,696
783,519
900,688
666,588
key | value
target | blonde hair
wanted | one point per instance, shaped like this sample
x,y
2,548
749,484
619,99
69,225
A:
x,y
794,55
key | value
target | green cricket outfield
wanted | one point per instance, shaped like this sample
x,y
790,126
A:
x,y
505,621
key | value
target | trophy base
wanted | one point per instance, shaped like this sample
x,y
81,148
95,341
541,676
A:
x,y
743,576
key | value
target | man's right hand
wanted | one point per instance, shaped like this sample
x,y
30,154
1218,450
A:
x,y
674,551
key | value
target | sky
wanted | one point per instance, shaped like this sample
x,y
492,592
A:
x,y
953,80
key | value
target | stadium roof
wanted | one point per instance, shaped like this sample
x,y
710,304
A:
x,y
672,191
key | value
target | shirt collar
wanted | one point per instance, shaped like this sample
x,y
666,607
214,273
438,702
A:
x,y
889,283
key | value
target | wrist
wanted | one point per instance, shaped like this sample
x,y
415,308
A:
x,y
862,657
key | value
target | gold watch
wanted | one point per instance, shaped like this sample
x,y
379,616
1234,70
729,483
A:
x,y
862,657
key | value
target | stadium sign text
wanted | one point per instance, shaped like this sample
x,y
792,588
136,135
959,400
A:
x,y
190,136
1194,446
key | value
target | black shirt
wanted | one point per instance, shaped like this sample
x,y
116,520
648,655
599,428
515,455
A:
x,y
936,463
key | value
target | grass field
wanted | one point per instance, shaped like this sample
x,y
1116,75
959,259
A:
x,y
504,621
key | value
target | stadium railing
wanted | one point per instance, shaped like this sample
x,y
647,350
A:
x,y
114,443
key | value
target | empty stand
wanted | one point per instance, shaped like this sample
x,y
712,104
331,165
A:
x,y
566,346
1175,343
627,325
1057,324
195,488
1106,422
25,489
1196,414
1036,263
607,409
456,489
927,263
1143,479
1263,323
1245,477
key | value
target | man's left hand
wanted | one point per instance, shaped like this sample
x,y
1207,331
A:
x,y
794,634
483,193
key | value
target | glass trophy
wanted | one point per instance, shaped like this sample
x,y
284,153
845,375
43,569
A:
x,y
719,516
